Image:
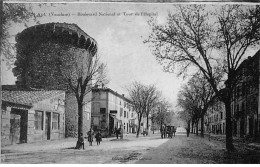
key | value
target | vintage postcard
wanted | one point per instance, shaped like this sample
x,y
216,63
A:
x,y
125,82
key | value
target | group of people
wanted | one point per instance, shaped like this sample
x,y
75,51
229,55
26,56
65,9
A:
x,y
170,131
91,136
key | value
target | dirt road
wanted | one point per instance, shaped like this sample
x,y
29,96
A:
x,y
143,150
127,150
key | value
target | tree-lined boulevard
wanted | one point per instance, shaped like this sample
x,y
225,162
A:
x,y
143,150
215,48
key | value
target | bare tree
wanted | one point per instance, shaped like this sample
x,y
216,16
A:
x,y
161,114
137,96
193,35
81,71
197,96
144,99
189,103
153,97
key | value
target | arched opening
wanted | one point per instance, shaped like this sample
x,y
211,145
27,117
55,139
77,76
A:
x,y
82,41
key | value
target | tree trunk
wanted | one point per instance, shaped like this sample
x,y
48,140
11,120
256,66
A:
x,y
197,128
229,138
202,126
192,126
80,119
139,124
188,129
147,126
153,126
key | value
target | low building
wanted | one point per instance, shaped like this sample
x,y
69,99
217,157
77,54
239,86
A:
x,y
71,110
111,110
30,116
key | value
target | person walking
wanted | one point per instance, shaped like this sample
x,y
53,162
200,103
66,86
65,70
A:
x,y
98,137
161,130
174,130
90,136
116,132
164,131
188,131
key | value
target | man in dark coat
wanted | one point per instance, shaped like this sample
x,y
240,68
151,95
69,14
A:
x,y
98,137
118,131
161,130
90,136
174,130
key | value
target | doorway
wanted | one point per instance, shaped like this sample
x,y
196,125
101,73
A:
x,y
111,125
48,125
18,126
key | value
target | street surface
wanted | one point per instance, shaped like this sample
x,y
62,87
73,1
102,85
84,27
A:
x,y
143,150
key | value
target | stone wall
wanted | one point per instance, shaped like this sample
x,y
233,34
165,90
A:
x,y
5,125
71,115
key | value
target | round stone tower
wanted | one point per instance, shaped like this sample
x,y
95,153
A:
x,y
33,40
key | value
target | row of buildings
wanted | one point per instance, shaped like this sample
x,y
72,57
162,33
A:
x,y
245,104
29,116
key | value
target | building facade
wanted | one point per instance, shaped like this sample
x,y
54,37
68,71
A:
x,y
215,119
110,110
30,116
245,105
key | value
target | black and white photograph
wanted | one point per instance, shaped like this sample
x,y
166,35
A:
x,y
127,82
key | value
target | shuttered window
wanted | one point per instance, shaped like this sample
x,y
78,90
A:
x,y
55,121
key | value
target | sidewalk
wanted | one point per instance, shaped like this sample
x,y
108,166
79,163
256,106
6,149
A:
x,y
48,145
238,140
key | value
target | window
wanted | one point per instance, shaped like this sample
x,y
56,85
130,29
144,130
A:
x,y
221,115
124,113
121,112
38,120
55,121
102,110
132,115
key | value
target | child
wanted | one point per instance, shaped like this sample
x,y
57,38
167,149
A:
x,y
81,141
98,137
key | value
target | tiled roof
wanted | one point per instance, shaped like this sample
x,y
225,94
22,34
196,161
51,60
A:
x,y
28,97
